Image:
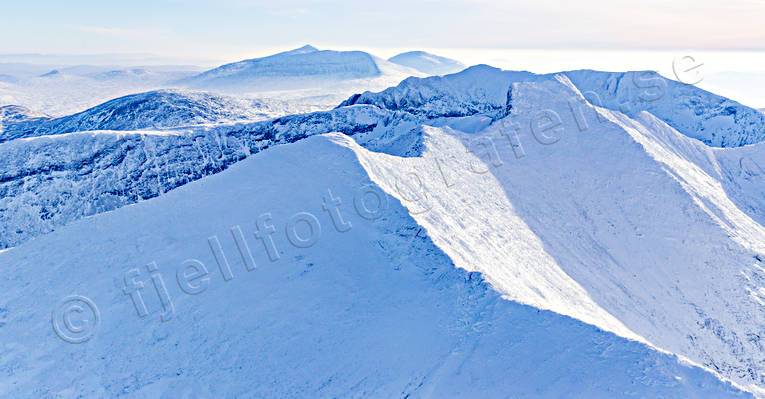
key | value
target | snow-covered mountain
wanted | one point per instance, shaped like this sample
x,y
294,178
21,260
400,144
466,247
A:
x,y
306,62
12,114
308,78
305,72
49,181
158,109
376,302
523,210
715,120
427,63
71,89
481,89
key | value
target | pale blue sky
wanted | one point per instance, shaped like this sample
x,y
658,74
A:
x,y
232,29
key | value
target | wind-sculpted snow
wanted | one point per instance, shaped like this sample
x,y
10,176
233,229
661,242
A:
x,y
48,181
715,120
374,308
151,110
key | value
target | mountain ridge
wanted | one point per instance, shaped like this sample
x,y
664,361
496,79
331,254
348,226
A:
x,y
346,297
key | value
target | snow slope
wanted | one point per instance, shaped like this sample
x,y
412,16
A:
x,y
623,223
427,63
376,311
715,120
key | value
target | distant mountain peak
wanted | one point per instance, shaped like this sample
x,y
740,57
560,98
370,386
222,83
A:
x,y
302,50
301,65
429,63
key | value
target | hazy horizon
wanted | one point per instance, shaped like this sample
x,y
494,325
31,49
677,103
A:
x,y
739,75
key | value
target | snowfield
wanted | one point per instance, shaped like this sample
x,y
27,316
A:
x,y
482,234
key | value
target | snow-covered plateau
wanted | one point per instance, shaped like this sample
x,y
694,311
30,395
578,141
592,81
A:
x,y
487,233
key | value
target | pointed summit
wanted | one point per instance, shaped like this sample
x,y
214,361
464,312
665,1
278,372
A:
x,y
302,50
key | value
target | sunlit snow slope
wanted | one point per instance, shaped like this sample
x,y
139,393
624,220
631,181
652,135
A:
x,y
623,223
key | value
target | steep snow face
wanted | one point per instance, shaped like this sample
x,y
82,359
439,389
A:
x,y
150,110
741,172
439,190
381,310
48,181
428,63
623,223
715,120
